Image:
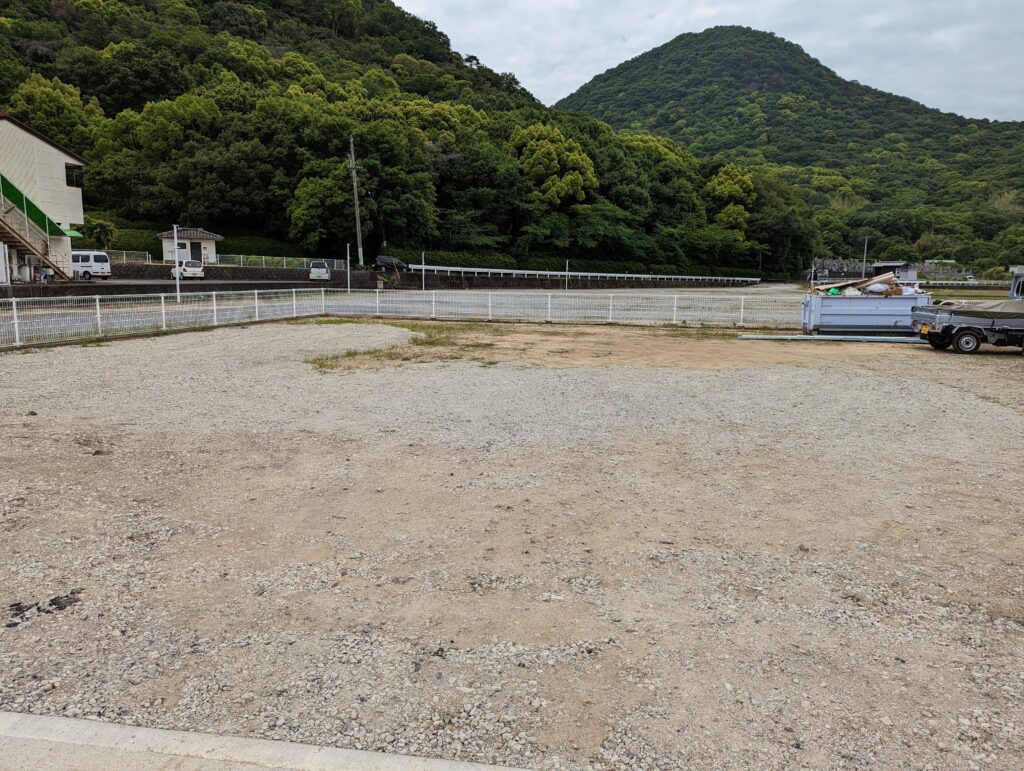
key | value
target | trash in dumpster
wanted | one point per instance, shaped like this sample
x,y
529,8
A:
x,y
876,305
887,285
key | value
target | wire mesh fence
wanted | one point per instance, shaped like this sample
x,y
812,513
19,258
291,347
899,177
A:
x,y
34,321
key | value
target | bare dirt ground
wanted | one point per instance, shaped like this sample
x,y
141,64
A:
x,y
551,547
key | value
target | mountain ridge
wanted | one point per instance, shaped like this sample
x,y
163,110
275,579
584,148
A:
x,y
800,50
863,156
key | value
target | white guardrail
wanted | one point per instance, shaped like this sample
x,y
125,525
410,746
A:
x,y
577,275
266,261
31,321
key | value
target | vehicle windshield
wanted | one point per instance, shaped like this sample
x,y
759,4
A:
x,y
192,264
320,265
102,258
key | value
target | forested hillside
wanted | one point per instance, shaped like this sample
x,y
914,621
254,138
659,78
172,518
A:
x,y
237,116
919,182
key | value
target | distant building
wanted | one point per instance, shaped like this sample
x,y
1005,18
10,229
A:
x,y
193,244
41,184
906,272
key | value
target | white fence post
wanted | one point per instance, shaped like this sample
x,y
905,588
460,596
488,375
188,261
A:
x,y
377,292
433,305
215,309
611,301
743,304
295,305
323,301
99,321
675,310
256,302
163,313
549,307
17,324
490,315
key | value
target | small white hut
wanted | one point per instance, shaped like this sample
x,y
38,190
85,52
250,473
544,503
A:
x,y
193,244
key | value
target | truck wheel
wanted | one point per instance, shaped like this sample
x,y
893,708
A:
x,y
939,342
967,342
87,276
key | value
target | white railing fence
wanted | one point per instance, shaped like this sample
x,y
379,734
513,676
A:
x,y
33,321
300,263
123,257
575,275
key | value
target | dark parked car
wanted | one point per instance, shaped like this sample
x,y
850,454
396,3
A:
x,y
388,264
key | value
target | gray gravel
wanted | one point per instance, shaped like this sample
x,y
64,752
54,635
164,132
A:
x,y
620,567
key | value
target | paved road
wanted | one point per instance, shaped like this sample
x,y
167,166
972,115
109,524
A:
x,y
209,282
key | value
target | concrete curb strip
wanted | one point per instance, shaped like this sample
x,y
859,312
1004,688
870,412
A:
x,y
260,753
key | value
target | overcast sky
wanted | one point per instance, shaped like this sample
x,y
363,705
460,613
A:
x,y
963,56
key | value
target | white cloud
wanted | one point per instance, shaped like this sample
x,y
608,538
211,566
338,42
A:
x,y
956,56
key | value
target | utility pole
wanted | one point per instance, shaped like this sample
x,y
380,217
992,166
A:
x,y
864,266
177,266
355,197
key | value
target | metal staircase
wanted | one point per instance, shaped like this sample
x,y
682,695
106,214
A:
x,y
20,228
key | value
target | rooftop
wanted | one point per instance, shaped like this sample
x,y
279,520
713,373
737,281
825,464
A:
x,y
191,234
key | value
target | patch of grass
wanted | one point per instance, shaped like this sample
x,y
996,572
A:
x,y
978,294
431,341
333,361
93,344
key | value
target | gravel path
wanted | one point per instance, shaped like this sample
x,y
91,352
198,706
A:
x,y
767,564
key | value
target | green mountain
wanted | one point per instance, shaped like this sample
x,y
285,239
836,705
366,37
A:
x,y
237,116
918,181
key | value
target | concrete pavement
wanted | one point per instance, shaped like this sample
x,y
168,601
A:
x,y
39,743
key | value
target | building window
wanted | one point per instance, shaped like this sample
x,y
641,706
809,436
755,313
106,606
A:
x,y
73,175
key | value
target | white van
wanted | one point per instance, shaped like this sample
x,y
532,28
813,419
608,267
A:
x,y
319,271
85,265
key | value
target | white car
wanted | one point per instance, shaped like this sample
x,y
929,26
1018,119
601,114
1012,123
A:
x,y
89,265
189,269
319,271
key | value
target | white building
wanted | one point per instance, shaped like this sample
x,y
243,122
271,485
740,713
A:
x,y
905,271
41,184
193,244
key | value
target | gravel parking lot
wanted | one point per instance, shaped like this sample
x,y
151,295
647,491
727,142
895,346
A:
x,y
550,547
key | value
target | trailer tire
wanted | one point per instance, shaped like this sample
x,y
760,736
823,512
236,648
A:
x,y
967,342
939,342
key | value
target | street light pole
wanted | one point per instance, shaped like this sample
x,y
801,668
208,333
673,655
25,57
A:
x,y
177,266
864,266
423,269
355,197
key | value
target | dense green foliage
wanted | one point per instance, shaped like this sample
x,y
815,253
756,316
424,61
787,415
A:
x,y
237,116
919,182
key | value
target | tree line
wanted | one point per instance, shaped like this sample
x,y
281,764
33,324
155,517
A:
x,y
239,115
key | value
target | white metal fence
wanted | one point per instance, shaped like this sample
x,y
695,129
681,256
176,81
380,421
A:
x,y
575,275
299,263
76,319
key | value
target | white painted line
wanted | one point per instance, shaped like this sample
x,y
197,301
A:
x,y
122,740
